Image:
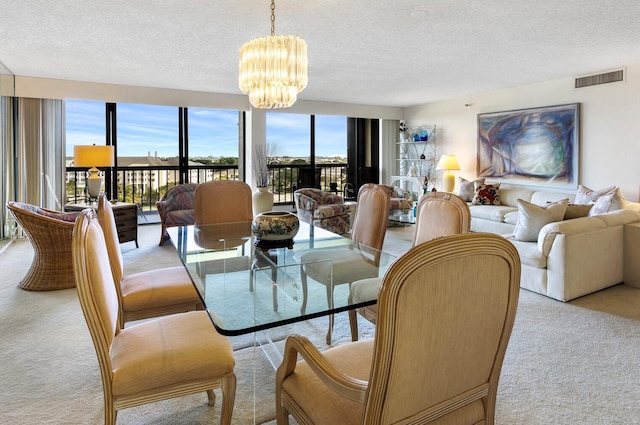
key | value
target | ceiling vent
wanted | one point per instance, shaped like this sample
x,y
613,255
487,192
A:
x,y
594,80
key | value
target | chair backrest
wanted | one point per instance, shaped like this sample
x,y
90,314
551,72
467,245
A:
x,y
180,197
440,214
223,201
446,309
370,225
110,230
96,291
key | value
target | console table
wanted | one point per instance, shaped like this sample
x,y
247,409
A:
x,y
126,217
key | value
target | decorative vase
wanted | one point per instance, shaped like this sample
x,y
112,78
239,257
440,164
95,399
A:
x,y
275,229
262,200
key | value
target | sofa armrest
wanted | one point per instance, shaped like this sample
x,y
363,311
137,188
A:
x,y
574,226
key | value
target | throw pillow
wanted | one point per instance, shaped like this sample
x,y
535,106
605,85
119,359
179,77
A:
x,y
601,205
584,195
486,194
466,188
532,218
576,211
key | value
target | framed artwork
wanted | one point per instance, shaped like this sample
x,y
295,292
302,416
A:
x,y
537,146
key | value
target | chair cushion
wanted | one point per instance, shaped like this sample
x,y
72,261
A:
x,y
346,265
321,404
159,352
180,217
157,288
331,210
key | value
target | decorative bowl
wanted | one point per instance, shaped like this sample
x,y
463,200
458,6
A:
x,y
278,227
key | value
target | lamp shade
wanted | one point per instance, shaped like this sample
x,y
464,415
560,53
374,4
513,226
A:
x,y
448,162
93,156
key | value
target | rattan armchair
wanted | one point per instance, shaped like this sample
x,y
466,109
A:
x,y
50,235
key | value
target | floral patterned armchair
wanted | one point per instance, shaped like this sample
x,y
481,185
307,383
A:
x,y
176,208
324,209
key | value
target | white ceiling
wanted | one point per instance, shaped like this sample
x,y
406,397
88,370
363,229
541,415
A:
x,y
380,52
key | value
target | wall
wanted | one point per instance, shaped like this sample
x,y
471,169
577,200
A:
x,y
609,126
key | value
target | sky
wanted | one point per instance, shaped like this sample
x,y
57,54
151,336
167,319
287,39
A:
x,y
151,129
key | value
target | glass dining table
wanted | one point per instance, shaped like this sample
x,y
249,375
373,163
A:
x,y
247,287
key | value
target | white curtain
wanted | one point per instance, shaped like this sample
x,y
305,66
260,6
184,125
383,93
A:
x,y
40,161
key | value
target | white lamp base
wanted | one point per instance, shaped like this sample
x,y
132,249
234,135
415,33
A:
x,y
94,182
449,181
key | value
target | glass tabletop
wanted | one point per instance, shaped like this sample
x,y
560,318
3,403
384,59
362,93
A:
x,y
247,287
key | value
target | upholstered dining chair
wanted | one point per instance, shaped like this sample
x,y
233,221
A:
x,y
146,294
223,201
339,266
153,360
446,311
438,214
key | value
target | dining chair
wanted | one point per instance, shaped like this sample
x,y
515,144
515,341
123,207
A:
x,y
146,294
153,360
438,214
446,312
223,201
339,266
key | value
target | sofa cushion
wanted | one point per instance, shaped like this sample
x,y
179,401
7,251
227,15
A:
x,y
511,218
509,195
532,217
529,253
486,194
467,188
491,212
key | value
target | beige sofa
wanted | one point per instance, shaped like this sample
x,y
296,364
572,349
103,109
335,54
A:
x,y
570,258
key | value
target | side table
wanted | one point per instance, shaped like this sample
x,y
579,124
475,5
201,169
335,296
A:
x,y
126,217
632,254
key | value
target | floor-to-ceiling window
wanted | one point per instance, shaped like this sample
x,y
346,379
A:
x,y
306,151
156,146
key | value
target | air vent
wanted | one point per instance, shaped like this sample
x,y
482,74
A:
x,y
594,80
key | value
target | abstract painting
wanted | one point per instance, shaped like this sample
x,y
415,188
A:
x,y
537,146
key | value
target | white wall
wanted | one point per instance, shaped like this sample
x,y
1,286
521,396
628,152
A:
x,y
609,126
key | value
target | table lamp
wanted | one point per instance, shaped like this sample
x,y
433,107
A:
x,y
448,162
93,156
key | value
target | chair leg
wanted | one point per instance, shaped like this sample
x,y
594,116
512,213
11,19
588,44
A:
x,y
331,318
110,412
228,399
212,398
353,324
303,278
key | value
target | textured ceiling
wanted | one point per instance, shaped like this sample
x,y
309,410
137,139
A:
x,y
398,53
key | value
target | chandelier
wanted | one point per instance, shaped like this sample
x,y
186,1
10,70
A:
x,y
273,69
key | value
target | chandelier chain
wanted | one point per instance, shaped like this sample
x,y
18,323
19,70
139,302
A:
x,y
273,17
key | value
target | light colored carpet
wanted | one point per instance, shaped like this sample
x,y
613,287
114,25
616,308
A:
x,y
567,363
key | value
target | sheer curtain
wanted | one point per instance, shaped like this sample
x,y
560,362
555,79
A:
x,y
32,153
40,160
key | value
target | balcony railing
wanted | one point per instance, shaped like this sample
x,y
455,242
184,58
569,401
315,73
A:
x,y
146,185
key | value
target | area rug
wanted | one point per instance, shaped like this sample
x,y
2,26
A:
x,y
567,363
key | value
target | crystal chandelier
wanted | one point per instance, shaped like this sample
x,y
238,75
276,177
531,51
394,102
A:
x,y
273,70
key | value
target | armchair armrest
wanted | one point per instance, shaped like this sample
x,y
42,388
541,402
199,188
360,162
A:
x,y
306,203
342,384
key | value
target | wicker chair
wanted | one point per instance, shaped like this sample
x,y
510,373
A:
x,y
50,234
